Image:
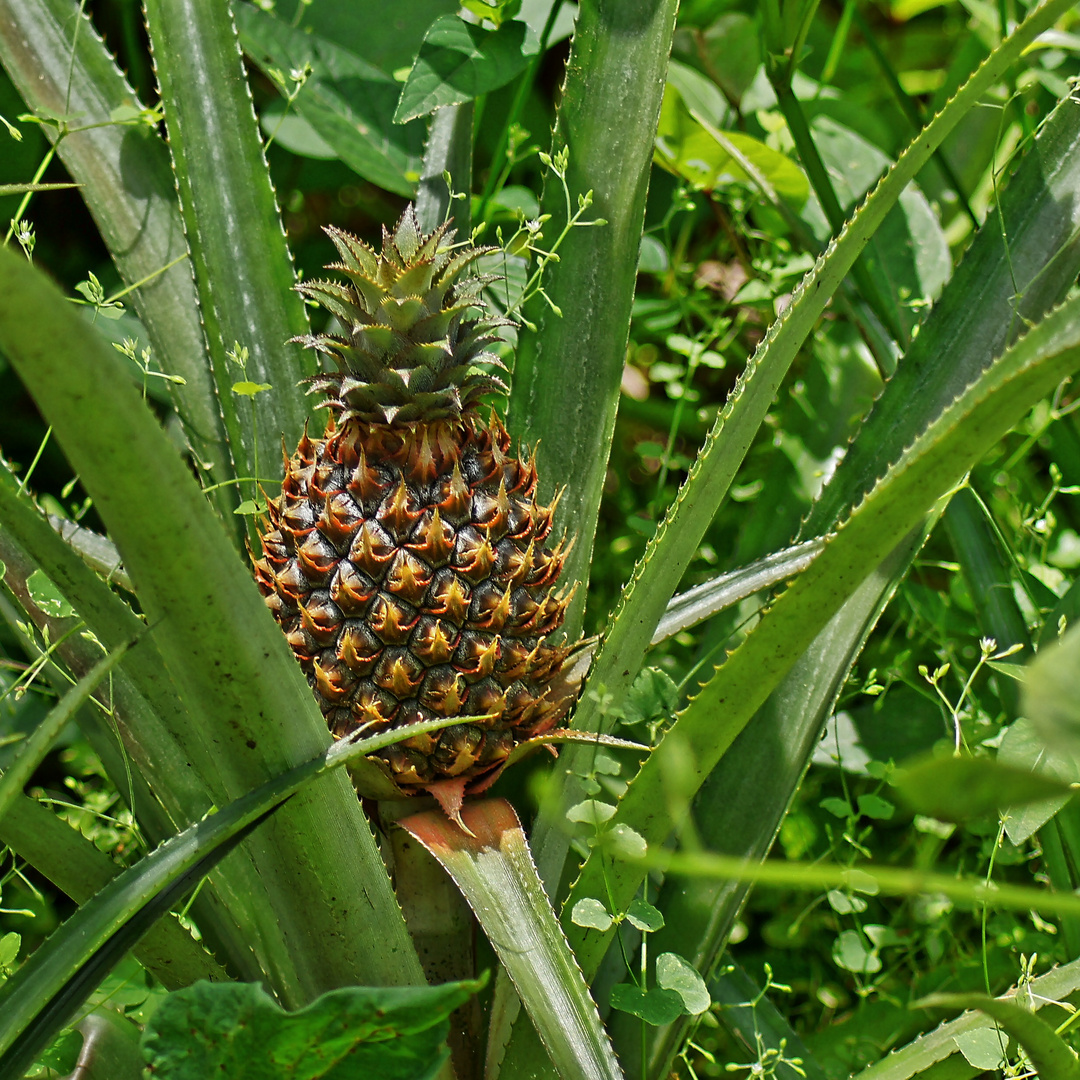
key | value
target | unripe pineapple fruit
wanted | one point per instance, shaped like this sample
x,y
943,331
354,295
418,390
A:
x,y
407,558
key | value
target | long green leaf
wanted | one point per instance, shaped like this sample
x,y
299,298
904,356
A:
x,y
251,713
43,994
740,804
669,552
242,265
46,992
936,462
918,1056
60,65
1003,284
1051,1056
76,867
492,866
566,376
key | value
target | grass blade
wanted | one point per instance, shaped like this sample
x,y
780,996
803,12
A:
x,y
75,866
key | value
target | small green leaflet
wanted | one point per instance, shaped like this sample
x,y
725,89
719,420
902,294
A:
x,y
249,389
47,597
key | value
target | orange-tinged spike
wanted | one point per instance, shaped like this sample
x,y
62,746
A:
x,y
321,619
356,653
397,513
494,517
408,578
371,550
433,642
330,684
444,693
495,618
435,541
365,483
422,462
340,519
476,658
474,560
450,598
351,590
398,677
455,505
520,563
390,621
317,558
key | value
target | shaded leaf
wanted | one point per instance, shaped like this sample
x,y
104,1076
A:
x,y
347,101
459,61
356,1033
675,973
956,789
656,1007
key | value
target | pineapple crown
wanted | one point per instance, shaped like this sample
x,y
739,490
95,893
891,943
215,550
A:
x,y
419,335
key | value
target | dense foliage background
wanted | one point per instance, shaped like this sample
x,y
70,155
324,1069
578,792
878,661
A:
x,y
832,973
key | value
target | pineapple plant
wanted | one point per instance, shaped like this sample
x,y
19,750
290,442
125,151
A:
x,y
407,558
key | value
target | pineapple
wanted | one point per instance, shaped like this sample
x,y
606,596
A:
x,y
407,558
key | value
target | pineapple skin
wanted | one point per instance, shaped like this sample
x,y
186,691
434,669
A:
x,y
407,557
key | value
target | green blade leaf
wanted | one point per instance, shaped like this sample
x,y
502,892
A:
x,y
1051,692
492,866
459,61
670,550
238,1029
1051,1056
33,751
566,376
242,265
957,789
42,995
75,866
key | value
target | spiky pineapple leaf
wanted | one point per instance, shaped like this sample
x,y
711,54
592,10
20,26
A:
x,y
492,866
243,269
58,62
669,552
566,376
739,808
44,993
936,461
